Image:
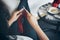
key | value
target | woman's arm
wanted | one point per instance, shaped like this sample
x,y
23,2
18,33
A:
x,y
33,21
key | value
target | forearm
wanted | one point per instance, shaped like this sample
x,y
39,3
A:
x,y
10,22
36,27
41,34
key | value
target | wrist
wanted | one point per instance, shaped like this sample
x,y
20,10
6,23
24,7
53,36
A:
x,y
10,22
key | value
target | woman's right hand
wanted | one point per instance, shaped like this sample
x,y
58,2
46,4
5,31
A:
x,y
15,16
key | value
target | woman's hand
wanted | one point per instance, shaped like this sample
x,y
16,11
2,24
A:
x,y
15,16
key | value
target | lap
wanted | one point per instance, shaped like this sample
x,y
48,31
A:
x,y
28,30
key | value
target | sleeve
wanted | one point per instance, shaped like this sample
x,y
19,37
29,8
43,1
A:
x,y
3,21
3,25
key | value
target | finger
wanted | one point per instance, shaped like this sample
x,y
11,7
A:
x,y
19,15
27,11
29,14
20,11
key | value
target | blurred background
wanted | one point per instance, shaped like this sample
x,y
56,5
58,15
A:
x,y
35,4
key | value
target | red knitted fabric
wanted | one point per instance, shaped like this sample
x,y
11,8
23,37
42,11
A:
x,y
24,14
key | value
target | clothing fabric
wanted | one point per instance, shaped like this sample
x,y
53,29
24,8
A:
x,y
56,3
13,30
23,3
19,37
29,31
50,30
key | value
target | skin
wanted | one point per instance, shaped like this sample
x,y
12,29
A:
x,y
14,17
33,22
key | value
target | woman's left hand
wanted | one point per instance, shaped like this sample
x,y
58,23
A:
x,y
15,16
